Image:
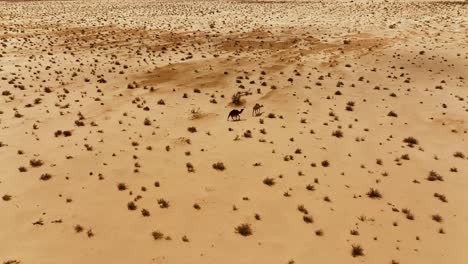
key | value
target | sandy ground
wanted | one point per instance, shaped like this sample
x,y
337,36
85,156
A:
x,y
113,116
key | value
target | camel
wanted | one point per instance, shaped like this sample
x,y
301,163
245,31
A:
x,y
256,110
235,114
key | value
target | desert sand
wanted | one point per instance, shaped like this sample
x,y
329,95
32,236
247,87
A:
x,y
116,147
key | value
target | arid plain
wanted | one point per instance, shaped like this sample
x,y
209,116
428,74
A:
x,y
115,145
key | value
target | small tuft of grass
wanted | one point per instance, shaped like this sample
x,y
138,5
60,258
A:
x,y
269,181
78,228
157,235
237,98
145,212
308,219
437,218
163,203
434,176
441,197
374,194
410,216
411,141
244,230
190,167
45,177
36,162
357,250
337,133
319,232
301,208
131,206
219,166
121,186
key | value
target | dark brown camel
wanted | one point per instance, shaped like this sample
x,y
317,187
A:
x,y
235,114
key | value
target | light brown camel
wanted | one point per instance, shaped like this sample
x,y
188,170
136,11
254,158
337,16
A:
x,y
256,109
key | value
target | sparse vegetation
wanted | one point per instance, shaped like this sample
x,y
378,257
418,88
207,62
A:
x,y
131,206
219,166
145,212
45,177
121,186
441,197
437,218
119,109
319,232
163,203
325,163
269,181
190,167
36,162
244,230
374,194
337,133
157,235
411,141
78,228
236,98
357,251
434,176
308,219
